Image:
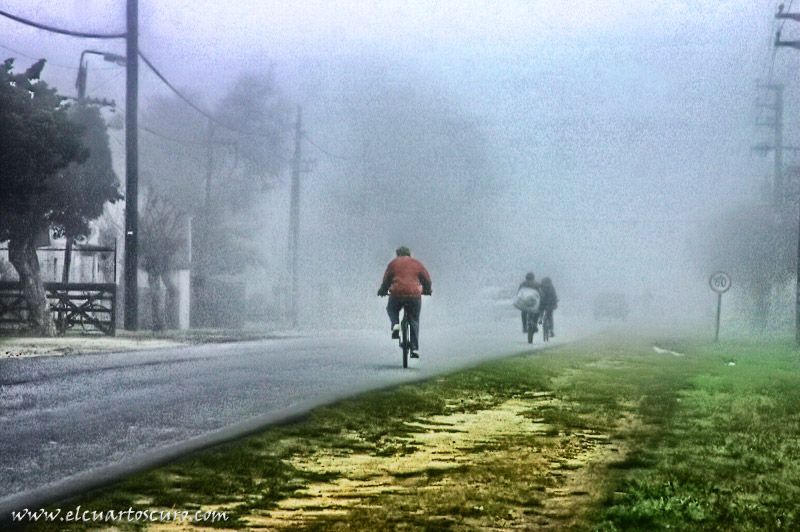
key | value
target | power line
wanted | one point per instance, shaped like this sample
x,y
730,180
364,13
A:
x,y
176,91
109,80
49,63
200,110
774,48
62,31
788,8
187,143
627,221
328,153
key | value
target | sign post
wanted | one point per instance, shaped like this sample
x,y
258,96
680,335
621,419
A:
x,y
720,282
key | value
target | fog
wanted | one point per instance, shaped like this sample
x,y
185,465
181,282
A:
x,y
592,142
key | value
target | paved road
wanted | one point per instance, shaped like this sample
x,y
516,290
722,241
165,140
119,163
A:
x,y
69,423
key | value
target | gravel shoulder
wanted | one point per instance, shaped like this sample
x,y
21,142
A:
x,y
124,341
36,347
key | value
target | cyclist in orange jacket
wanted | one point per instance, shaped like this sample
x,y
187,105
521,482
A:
x,y
405,281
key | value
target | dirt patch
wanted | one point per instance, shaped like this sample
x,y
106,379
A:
x,y
498,467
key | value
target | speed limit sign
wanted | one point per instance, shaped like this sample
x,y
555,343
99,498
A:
x,y
720,282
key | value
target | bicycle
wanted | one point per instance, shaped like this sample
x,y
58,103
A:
x,y
530,327
547,325
405,336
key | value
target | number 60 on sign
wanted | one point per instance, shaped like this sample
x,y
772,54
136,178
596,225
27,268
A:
x,y
720,282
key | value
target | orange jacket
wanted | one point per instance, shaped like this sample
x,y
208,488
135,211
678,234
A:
x,y
406,277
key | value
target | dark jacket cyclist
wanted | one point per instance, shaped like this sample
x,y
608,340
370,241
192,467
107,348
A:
x,y
549,302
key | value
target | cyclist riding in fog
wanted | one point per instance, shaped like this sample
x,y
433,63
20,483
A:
x,y
529,282
405,282
549,302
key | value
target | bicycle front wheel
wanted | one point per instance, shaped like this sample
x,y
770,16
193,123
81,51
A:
x,y
405,340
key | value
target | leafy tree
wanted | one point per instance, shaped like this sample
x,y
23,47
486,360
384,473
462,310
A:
x,y
81,190
38,141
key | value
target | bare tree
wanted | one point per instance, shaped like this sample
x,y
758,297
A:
x,y
755,244
163,237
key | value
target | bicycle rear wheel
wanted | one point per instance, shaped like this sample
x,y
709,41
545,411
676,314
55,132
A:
x,y
531,325
545,329
548,326
405,340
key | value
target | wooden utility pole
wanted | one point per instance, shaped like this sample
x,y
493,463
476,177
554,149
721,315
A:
x,y
796,45
132,167
200,263
779,194
776,124
80,85
294,215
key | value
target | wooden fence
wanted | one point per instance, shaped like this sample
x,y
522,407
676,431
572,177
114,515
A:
x,y
85,307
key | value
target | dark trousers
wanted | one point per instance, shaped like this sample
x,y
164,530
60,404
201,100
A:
x,y
548,315
525,320
412,306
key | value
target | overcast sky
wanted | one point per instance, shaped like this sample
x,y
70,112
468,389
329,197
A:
x,y
621,122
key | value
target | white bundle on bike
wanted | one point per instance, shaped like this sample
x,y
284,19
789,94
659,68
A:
x,y
528,299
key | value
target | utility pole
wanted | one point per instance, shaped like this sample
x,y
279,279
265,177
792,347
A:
x,y
80,86
200,281
294,213
796,45
132,167
776,124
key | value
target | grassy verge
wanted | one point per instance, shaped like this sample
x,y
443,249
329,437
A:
x,y
727,456
601,435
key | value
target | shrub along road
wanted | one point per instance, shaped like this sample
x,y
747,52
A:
x,y
599,435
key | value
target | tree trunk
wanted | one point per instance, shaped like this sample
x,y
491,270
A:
x,y
62,316
156,301
761,304
172,303
22,254
67,260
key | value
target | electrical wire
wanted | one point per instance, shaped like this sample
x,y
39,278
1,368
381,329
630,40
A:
x,y
109,80
187,143
32,58
770,77
775,48
788,8
49,62
200,110
180,95
62,31
328,153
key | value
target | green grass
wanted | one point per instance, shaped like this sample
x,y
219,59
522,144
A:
x,y
706,441
725,458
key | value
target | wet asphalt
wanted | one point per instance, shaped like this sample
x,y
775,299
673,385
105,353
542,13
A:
x,y
71,423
